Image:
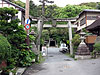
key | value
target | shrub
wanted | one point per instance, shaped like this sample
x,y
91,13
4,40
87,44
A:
x,y
26,57
4,48
97,46
76,41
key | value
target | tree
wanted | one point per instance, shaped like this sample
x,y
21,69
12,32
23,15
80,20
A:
x,y
90,4
70,11
15,34
34,9
50,11
98,5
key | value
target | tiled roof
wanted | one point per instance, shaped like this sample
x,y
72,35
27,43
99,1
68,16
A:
x,y
94,25
89,10
17,6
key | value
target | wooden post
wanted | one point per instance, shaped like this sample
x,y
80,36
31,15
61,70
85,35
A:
x,y
70,37
27,17
27,10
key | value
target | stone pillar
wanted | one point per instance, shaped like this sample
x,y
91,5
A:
x,y
40,27
70,37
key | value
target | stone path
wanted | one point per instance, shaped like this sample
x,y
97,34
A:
x,y
60,64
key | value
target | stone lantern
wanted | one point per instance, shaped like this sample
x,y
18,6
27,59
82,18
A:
x,y
32,32
82,51
34,49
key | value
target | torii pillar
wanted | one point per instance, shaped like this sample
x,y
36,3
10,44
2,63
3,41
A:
x,y
70,37
40,28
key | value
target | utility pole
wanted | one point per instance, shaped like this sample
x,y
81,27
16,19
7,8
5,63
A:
x,y
70,37
41,22
27,17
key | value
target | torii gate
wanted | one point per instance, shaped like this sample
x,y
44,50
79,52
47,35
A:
x,y
69,25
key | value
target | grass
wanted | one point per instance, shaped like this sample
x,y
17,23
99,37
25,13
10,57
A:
x,y
41,59
72,56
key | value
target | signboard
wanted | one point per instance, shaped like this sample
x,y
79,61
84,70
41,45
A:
x,y
27,21
27,26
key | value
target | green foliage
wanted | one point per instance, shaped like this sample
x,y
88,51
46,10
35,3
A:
x,y
76,41
7,13
20,3
57,34
41,59
45,36
90,4
97,46
5,48
50,11
70,11
26,57
11,63
16,35
31,37
86,31
98,5
72,56
53,11
34,9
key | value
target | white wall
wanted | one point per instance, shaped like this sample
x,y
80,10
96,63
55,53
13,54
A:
x,y
79,27
19,16
89,22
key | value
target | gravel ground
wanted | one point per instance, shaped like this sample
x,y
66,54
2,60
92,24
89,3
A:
x,y
59,64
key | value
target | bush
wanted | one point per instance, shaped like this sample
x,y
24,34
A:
x,y
97,46
76,41
26,57
4,48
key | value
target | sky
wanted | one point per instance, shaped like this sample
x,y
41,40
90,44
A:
x,y
62,3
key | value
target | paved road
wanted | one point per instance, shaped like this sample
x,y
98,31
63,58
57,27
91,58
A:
x,y
60,64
